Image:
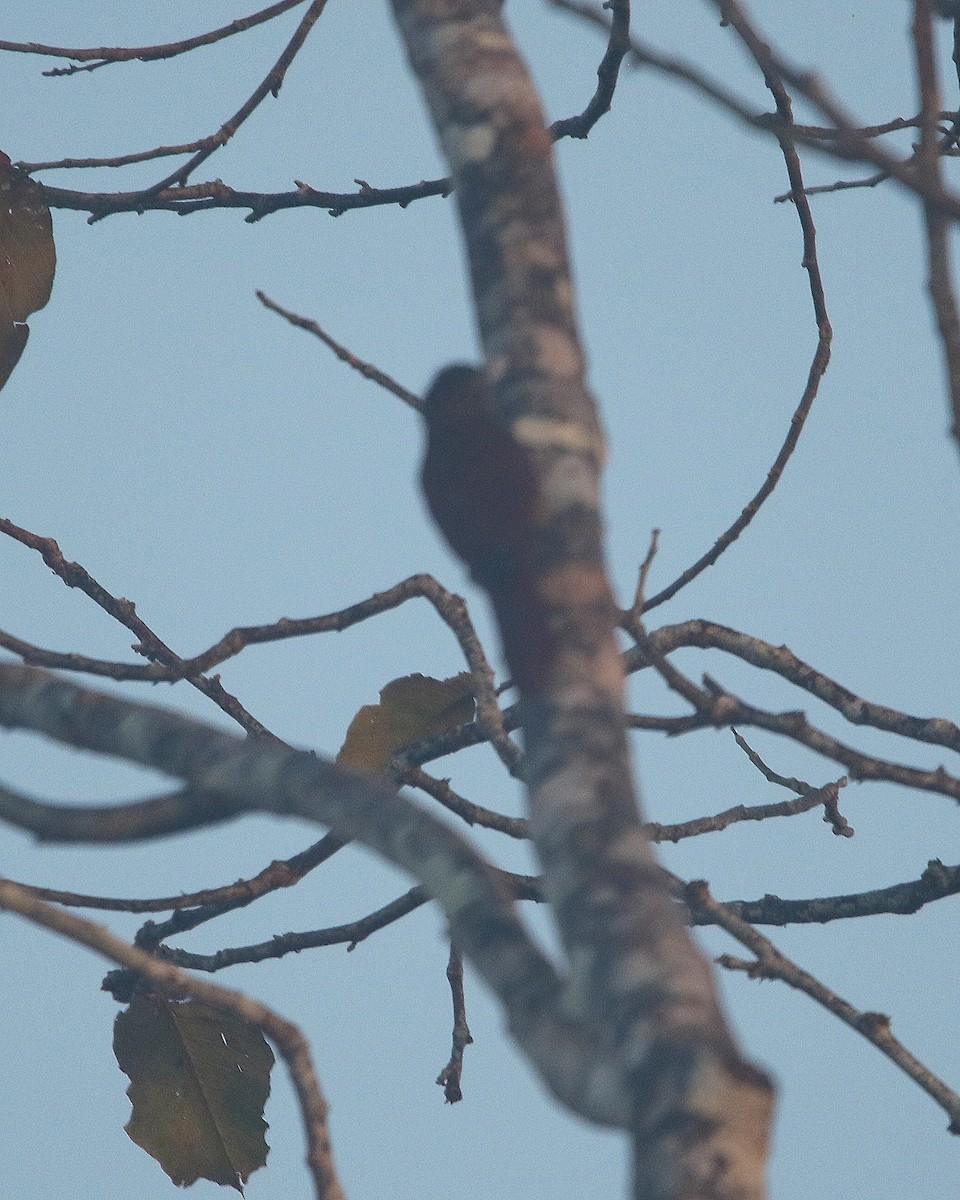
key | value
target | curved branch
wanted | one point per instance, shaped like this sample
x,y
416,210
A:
x,y
255,776
718,708
785,132
108,823
172,981
771,964
709,635
280,873
102,56
607,74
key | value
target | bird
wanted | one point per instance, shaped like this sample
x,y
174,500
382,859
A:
x,y
478,482
481,489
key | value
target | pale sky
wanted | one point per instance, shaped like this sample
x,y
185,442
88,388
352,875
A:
x,y
202,458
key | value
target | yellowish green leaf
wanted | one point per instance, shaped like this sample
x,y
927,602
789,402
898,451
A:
x,y
410,708
199,1079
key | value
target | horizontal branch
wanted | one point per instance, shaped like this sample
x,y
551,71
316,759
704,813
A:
x,y
770,963
709,635
101,56
204,197
900,899
278,946
938,882
255,776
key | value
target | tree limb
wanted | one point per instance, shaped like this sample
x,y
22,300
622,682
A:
x,y
635,970
256,776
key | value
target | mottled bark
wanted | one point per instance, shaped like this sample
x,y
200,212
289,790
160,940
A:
x,y
700,1114
228,775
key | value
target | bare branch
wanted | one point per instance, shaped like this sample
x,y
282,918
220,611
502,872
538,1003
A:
x,y
172,981
829,795
841,185
269,86
473,814
215,194
771,964
785,131
281,944
367,370
102,56
732,816
121,160
253,775
903,899
449,1077
850,144
280,873
125,611
719,708
936,731
607,74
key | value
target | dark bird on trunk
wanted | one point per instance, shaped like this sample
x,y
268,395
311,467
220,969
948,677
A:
x,y
481,489
478,482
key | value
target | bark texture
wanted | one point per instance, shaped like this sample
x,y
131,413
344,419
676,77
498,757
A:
x,y
700,1114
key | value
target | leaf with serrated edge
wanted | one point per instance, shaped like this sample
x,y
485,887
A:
x,y
199,1079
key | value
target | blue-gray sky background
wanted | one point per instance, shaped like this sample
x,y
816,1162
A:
x,y
203,458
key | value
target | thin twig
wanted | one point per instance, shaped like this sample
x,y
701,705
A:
x,y
709,635
631,619
946,146
169,667
281,873
841,185
868,131
449,1077
770,963
172,981
473,814
642,54
102,56
367,370
851,144
269,86
522,887
821,357
732,816
828,796
120,160
350,935
125,611
607,73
